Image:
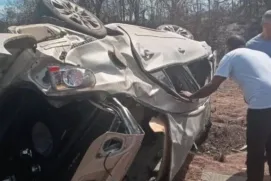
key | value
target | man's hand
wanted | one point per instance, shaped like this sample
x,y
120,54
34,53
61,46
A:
x,y
205,91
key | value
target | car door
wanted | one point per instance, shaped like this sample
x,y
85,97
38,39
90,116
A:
x,y
213,62
111,154
186,127
189,77
202,72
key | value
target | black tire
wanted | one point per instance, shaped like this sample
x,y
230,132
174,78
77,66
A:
x,y
176,29
88,24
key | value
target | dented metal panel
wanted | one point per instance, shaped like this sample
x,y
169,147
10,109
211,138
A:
x,y
157,49
127,75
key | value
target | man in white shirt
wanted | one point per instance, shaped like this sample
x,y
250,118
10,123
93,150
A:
x,y
262,42
251,70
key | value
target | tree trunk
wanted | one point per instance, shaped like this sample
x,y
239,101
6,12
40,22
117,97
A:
x,y
137,9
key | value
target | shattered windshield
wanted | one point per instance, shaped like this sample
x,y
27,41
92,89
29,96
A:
x,y
164,79
201,70
175,78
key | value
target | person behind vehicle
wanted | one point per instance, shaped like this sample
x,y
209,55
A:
x,y
251,70
262,42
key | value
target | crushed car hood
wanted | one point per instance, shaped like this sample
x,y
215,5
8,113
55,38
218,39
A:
x,y
120,74
156,49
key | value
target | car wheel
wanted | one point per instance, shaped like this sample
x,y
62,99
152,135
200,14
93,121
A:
x,y
176,29
75,16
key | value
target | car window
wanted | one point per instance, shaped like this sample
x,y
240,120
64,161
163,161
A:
x,y
162,77
176,78
201,70
180,79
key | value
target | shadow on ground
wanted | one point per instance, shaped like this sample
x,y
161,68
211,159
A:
x,y
180,176
242,177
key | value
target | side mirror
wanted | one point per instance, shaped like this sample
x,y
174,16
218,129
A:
x,y
20,42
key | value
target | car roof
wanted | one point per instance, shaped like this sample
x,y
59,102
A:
x,y
156,49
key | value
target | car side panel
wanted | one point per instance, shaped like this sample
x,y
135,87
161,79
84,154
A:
x,y
101,166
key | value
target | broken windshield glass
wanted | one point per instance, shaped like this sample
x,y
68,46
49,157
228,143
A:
x,y
201,70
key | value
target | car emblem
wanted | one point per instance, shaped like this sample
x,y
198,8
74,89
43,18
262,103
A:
x,y
182,51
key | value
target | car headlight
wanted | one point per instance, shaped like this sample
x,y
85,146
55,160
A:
x,y
68,77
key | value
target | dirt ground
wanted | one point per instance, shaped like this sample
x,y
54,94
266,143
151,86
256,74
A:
x,y
229,121
226,134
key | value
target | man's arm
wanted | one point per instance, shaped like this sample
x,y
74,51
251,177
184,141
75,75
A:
x,y
208,89
222,73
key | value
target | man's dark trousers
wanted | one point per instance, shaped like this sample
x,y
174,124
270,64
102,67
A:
x,y
258,141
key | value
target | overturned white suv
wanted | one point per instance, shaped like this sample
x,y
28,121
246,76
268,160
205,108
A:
x,y
98,103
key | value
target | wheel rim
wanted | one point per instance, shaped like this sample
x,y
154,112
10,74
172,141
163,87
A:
x,y
75,13
178,30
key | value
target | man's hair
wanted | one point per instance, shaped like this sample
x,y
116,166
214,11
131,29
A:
x,y
235,41
266,17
